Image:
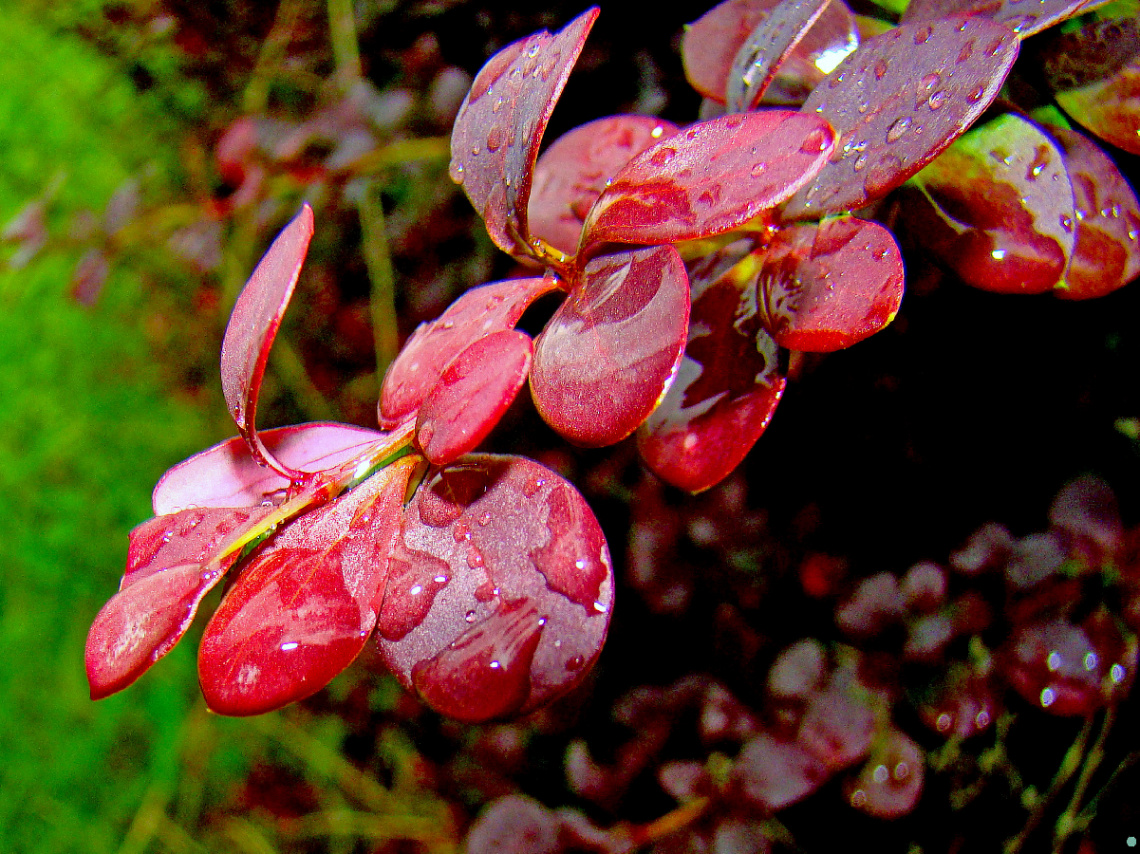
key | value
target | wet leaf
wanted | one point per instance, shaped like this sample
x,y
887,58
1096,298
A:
x,y
897,102
890,783
305,604
227,476
253,326
766,49
472,395
1107,251
727,385
497,133
997,207
826,287
710,178
500,591
1055,666
1025,19
171,564
607,355
573,171
479,312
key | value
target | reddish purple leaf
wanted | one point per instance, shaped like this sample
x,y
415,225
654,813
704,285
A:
x,y
305,605
890,782
253,326
172,563
727,385
1023,19
774,774
711,178
574,170
963,705
479,312
227,476
497,133
997,207
826,287
897,102
604,360
1086,509
838,727
500,590
767,47
1107,251
472,395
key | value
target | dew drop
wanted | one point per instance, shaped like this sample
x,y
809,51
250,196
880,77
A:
x,y
860,163
1067,223
975,94
495,138
923,35
814,143
469,617
966,52
484,520
936,100
663,156
758,169
993,47
880,68
575,663
931,80
533,484
474,559
475,150
498,105
896,130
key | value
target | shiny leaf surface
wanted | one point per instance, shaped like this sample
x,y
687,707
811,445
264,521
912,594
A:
x,y
710,178
1023,18
472,395
573,171
997,207
826,287
500,592
897,102
227,476
1107,251
305,605
727,385
497,133
479,312
607,355
253,326
171,564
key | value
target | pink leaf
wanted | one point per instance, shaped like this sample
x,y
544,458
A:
x,y
826,287
227,476
897,102
890,783
500,590
253,326
711,178
774,774
727,385
573,171
604,360
305,605
1025,21
497,133
472,395
171,564
480,312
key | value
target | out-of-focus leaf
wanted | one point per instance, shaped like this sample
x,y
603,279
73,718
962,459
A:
x,y
253,326
1024,19
604,360
728,383
497,133
826,287
472,395
897,102
227,476
573,171
479,312
889,784
1107,251
171,564
710,178
774,774
500,591
997,207
305,605
766,49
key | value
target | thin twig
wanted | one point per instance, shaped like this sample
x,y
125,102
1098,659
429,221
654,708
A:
x,y
378,259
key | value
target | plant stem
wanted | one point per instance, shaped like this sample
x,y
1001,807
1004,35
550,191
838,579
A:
x,y
381,274
256,95
1067,821
346,49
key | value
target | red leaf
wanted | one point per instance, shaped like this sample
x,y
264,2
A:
x,y
890,783
480,312
711,178
253,326
171,564
607,355
227,476
767,47
897,102
826,287
1012,13
472,395
305,605
728,383
497,133
501,589
574,170
774,774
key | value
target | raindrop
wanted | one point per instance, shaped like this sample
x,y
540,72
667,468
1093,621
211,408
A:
x,y
896,130
474,559
936,100
814,143
758,169
663,156
975,94
484,520
1067,223
994,46
922,35
966,52
860,163
575,663
461,533
931,80
469,616
495,138
1048,696
533,485
880,68
289,646
475,150
498,105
